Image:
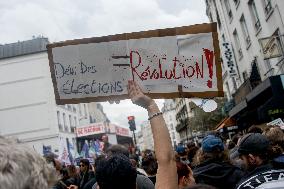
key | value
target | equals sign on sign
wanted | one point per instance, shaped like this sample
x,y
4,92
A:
x,y
121,57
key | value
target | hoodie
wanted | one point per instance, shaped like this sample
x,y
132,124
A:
x,y
222,175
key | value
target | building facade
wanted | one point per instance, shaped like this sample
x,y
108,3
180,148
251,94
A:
x,y
169,114
183,113
242,28
28,110
251,42
146,133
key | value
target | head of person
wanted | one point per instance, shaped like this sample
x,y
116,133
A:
x,y
116,171
253,150
276,139
185,175
212,148
182,154
150,164
117,149
84,165
72,172
254,129
22,162
105,138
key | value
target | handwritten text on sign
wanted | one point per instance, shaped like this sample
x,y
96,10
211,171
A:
x,y
161,65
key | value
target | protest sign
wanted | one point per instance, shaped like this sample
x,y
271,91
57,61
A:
x,y
166,63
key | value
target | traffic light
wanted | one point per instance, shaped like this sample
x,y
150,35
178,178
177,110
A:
x,y
131,122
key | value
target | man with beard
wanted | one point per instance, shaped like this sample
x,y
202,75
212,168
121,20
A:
x,y
253,150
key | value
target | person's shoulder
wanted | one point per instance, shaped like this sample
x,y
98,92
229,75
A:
x,y
143,182
260,178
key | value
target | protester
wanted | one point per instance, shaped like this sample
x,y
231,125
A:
x,y
166,177
116,172
185,175
142,181
276,138
150,166
106,143
85,174
23,168
254,151
191,151
213,165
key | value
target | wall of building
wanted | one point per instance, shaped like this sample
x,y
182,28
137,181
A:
x,y
238,25
28,110
169,114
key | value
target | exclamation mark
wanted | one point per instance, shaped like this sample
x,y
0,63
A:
x,y
209,59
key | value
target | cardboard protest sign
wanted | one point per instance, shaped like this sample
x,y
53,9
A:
x,y
167,63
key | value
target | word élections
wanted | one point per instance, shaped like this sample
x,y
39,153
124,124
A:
x,y
181,69
71,87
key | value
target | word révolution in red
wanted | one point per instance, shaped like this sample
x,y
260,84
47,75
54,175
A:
x,y
179,69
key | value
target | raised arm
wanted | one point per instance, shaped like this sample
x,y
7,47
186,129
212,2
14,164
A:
x,y
167,171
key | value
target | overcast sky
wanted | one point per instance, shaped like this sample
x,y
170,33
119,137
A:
x,y
61,20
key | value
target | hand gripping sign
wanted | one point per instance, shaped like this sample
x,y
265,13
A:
x,y
167,63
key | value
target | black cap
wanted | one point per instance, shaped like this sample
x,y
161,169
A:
x,y
253,143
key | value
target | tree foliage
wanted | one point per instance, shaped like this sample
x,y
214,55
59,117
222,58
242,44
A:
x,y
205,121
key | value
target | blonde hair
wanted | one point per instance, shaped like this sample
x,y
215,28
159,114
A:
x,y
23,168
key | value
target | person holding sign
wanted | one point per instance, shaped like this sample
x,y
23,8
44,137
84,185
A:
x,y
167,171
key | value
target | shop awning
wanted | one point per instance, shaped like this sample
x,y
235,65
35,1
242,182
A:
x,y
227,122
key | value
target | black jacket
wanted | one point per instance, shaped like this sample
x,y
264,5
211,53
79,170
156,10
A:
x,y
260,175
222,175
85,178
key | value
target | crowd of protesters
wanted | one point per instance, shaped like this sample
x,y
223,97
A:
x,y
247,161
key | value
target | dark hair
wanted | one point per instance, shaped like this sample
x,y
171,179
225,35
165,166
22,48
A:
x,y
85,162
118,149
254,129
116,172
182,170
99,159
150,165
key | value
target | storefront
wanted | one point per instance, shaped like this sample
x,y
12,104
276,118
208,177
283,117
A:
x,y
94,132
261,105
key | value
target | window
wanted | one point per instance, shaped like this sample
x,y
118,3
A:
x,y
69,107
245,30
267,6
218,19
75,121
85,109
58,121
254,14
237,43
64,122
172,127
228,8
74,109
70,121
228,89
223,38
245,75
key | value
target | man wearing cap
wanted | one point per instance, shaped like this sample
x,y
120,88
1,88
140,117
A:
x,y
214,167
253,149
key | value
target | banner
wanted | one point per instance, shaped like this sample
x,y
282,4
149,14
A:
x,y
94,128
167,63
